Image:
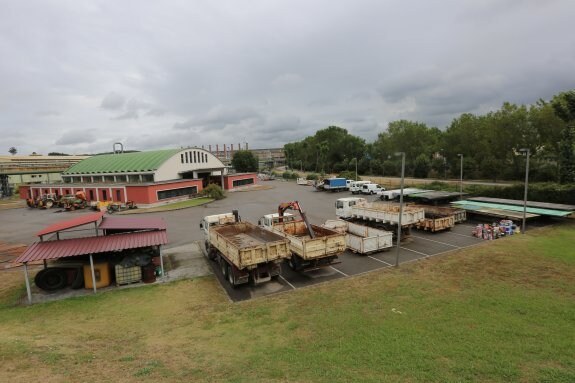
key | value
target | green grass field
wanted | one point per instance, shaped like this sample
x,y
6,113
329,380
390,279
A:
x,y
503,311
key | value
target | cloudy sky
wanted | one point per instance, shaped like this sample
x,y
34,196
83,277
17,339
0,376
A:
x,y
77,76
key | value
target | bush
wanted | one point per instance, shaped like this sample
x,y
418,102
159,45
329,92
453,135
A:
x,y
312,177
287,175
213,191
541,192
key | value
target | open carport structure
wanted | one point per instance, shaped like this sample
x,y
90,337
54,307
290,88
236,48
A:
x,y
112,234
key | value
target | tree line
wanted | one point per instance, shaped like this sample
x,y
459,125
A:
x,y
489,146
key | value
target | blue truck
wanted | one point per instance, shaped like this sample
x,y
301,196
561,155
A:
x,y
334,184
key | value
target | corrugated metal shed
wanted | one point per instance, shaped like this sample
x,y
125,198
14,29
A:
x,y
531,210
132,223
435,195
74,222
542,205
92,245
123,162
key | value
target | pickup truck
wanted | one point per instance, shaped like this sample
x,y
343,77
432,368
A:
x,y
245,252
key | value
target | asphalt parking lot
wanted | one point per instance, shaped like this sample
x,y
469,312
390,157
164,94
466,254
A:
x,y
20,225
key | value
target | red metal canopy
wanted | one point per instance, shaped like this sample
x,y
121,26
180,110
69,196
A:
x,y
133,223
92,245
74,222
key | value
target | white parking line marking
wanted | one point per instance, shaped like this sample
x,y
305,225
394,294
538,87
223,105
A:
x,y
285,280
415,251
462,235
431,240
339,271
379,260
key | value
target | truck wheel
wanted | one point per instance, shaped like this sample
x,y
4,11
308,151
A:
x,y
231,276
51,279
293,262
224,268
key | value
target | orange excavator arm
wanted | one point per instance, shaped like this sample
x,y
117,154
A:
x,y
295,206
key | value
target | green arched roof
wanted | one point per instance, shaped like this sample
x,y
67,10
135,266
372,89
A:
x,y
123,162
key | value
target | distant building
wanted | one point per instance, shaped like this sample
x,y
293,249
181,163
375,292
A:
x,y
33,169
147,178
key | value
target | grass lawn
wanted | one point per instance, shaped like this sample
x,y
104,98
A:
x,y
503,311
171,206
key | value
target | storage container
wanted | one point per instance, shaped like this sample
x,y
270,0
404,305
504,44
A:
x,y
102,274
125,275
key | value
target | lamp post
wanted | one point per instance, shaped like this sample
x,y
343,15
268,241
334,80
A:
x,y
460,155
526,151
355,168
402,154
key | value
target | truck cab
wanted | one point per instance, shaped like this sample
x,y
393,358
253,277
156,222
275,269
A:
x,y
343,205
268,220
213,220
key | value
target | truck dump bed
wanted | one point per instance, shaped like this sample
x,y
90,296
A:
x,y
386,213
362,239
440,218
326,243
245,244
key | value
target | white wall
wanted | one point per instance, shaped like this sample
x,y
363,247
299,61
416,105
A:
x,y
170,169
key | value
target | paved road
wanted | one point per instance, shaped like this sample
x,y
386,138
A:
x,y
20,225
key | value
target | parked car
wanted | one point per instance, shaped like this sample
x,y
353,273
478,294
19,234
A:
x,y
355,186
371,188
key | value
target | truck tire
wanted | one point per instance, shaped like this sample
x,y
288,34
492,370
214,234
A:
x,y
51,279
79,280
231,276
224,267
293,262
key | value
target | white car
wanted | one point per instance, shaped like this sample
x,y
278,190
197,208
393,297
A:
x,y
371,189
355,186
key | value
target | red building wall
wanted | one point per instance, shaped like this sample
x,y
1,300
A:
x,y
142,194
229,179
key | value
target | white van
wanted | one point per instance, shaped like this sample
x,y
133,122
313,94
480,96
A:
x,y
371,189
355,186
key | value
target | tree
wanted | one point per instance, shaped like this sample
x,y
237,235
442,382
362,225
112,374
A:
x,y
564,106
13,150
245,161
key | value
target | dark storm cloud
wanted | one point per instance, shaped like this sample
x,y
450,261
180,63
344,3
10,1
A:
x,y
176,74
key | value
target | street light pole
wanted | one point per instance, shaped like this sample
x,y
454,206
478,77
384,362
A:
x,y
356,168
526,185
402,154
460,155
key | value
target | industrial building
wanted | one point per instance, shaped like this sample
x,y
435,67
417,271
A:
x,y
146,178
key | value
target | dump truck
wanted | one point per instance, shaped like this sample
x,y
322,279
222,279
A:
x,y
439,218
244,251
384,215
361,239
311,246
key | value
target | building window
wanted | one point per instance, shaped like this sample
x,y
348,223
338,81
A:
x,y
104,195
195,159
134,178
172,193
187,162
246,181
182,157
109,179
147,178
91,195
118,195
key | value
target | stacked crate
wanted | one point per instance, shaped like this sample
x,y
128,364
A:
x,y
126,275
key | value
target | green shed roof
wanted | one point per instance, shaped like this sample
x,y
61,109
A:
x,y
123,163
